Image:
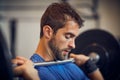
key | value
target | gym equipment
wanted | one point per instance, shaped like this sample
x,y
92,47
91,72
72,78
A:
x,y
53,62
13,28
5,61
104,50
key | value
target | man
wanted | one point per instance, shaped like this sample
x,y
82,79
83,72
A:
x,y
59,28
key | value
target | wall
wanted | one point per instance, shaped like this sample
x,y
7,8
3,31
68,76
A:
x,y
29,21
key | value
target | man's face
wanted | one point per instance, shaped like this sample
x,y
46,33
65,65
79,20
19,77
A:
x,y
63,41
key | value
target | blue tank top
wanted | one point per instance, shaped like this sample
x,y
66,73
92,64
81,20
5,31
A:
x,y
67,71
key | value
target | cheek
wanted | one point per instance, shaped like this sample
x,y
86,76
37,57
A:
x,y
61,43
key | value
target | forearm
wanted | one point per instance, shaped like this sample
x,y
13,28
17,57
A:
x,y
96,75
92,70
88,66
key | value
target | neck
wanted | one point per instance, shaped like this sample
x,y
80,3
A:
x,y
43,50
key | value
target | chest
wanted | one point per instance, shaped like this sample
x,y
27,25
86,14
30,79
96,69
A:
x,y
60,72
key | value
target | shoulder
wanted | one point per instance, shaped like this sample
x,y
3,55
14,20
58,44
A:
x,y
74,68
36,58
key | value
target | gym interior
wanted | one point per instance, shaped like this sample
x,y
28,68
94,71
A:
x,y
20,28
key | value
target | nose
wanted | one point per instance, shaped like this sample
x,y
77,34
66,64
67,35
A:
x,y
72,44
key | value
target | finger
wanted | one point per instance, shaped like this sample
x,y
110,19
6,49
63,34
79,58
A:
x,y
21,58
17,61
72,55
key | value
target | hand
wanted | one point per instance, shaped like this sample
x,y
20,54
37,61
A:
x,y
80,59
25,69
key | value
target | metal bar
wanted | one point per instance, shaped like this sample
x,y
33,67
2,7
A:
x,y
13,28
53,62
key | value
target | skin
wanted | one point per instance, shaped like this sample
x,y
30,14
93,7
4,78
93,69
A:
x,y
80,60
25,69
66,36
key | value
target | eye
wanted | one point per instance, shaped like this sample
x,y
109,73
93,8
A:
x,y
67,36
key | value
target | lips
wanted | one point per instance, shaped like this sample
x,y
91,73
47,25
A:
x,y
66,52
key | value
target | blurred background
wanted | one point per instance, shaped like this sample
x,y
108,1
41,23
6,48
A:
x,y
20,20
20,25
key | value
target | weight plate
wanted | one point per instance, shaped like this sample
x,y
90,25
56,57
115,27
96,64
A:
x,y
103,46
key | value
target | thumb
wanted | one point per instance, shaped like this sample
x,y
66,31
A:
x,y
72,55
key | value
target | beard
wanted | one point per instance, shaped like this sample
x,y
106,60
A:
x,y
56,53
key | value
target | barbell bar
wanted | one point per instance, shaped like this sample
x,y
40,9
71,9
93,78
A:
x,y
53,62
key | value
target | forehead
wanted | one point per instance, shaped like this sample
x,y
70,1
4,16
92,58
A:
x,y
70,27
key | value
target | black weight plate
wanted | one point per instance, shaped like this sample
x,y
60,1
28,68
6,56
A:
x,y
106,46
5,61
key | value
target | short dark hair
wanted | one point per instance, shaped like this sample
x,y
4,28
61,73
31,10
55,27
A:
x,y
56,15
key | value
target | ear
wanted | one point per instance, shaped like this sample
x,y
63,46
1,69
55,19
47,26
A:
x,y
47,31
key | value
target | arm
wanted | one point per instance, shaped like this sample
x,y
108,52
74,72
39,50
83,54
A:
x,y
96,75
25,69
82,60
